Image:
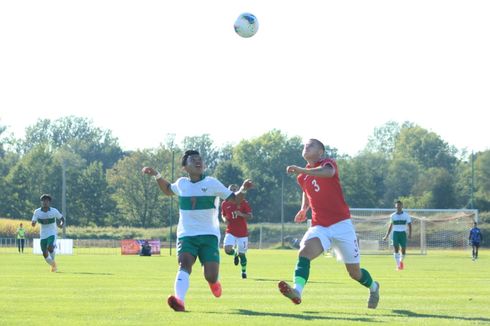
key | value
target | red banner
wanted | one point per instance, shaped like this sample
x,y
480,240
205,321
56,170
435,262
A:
x,y
133,247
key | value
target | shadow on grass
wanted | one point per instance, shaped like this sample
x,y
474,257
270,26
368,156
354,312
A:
x,y
274,280
307,315
84,273
411,314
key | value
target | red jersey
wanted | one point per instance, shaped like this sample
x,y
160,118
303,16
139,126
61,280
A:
x,y
236,226
325,195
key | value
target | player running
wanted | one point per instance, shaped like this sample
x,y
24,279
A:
x,y
331,224
48,217
399,221
198,229
236,237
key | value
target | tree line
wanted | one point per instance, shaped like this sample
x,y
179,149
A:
x,y
105,186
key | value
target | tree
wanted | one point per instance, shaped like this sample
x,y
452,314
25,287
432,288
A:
x,y
93,200
139,200
426,148
264,160
363,179
384,138
91,143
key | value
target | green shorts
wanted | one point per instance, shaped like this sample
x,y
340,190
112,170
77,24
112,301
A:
x,y
46,242
205,247
400,239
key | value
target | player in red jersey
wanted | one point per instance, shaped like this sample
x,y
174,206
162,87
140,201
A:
x,y
331,225
236,237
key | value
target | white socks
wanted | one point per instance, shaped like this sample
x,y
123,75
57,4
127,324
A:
x,y
49,260
181,284
299,288
373,287
397,259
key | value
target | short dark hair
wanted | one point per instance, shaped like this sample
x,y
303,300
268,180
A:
x,y
187,154
399,202
46,196
319,143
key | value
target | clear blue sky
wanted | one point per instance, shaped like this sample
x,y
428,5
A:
x,y
332,70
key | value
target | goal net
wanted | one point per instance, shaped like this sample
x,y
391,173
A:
x,y
431,228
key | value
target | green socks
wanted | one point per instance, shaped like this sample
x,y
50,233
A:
x,y
243,262
302,271
366,278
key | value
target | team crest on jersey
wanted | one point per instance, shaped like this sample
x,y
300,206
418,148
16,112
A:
x,y
204,189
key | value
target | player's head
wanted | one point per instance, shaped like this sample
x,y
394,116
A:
x,y
192,162
21,224
45,200
233,187
313,150
398,205
475,224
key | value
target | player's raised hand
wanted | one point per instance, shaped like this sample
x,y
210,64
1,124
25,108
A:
x,y
149,170
293,169
300,216
247,184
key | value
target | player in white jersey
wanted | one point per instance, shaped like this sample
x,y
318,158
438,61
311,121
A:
x,y
198,231
49,218
398,223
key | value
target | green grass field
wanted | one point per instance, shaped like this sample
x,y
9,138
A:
x,y
442,288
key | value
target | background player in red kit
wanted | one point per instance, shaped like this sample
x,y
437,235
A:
x,y
236,237
331,225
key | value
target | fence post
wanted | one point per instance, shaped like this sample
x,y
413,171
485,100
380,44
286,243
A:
x,y
260,236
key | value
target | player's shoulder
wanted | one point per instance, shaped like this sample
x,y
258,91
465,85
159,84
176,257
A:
x,y
328,161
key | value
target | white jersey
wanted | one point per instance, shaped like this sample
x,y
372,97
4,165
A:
x,y
47,221
199,206
400,221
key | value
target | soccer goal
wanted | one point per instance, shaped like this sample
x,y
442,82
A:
x,y
431,228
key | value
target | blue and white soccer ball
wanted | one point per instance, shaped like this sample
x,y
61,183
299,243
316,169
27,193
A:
x,y
246,25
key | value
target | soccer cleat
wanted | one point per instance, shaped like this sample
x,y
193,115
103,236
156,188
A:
x,y
54,268
175,304
244,275
401,266
373,298
289,292
235,260
215,289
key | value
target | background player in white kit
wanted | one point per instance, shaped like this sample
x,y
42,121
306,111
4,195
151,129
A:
x,y
49,218
398,223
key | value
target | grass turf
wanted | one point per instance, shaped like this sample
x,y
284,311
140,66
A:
x,y
442,288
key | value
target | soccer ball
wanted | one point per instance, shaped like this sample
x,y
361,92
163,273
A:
x,y
246,25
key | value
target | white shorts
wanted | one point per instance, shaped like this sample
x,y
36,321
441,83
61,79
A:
x,y
240,243
341,237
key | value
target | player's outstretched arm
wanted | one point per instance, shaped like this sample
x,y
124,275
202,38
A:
x,y
162,183
326,171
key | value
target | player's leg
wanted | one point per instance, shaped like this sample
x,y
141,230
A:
x,y
22,243
344,243
477,246
51,245
314,243
242,246
44,249
396,249
473,250
187,254
209,256
403,245
18,244
229,244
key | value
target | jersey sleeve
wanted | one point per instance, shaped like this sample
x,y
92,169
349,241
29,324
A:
x,y
409,219
34,217
245,207
220,190
58,214
175,187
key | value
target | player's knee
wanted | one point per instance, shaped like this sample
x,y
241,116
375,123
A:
x,y
211,277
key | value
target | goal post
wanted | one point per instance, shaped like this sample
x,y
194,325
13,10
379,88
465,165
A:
x,y
431,228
